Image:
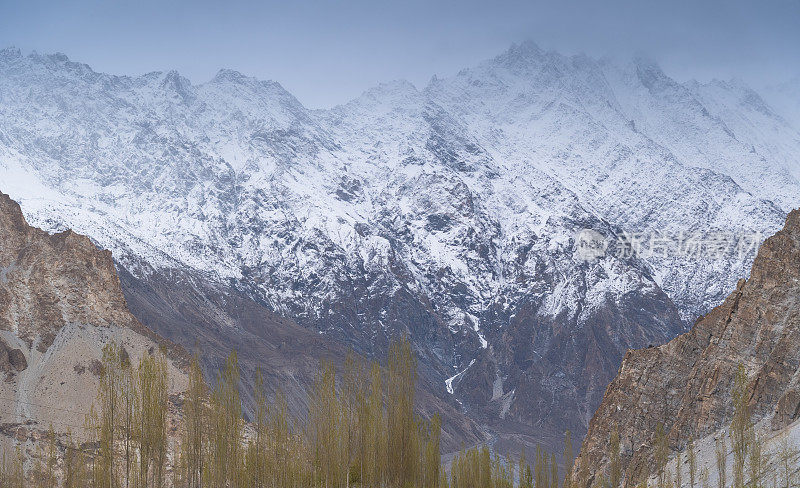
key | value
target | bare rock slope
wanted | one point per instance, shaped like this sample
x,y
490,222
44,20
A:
x,y
686,383
60,304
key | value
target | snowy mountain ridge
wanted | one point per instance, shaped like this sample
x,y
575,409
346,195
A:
x,y
449,212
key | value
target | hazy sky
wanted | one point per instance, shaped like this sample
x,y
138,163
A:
x,y
327,52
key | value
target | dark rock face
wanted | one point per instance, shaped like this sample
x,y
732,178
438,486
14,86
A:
x,y
212,320
11,360
686,383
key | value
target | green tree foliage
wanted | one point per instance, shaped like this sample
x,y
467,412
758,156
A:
x,y
152,420
567,458
479,468
361,430
327,431
741,429
194,427
787,462
692,463
225,427
403,439
12,474
721,452
104,422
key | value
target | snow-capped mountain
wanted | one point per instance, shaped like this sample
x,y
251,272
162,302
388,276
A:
x,y
449,213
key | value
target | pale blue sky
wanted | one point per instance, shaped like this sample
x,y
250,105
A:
x,y
326,52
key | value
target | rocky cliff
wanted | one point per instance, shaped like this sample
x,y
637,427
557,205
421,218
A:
x,y
60,303
686,383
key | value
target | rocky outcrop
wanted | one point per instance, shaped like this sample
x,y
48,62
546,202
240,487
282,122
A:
x,y
686,383
60,303
50,280
11,360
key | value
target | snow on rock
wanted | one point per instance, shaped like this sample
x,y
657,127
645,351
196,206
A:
x,y
449,211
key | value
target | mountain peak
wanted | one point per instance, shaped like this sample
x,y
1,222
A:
x,y
10,52
650,73
229,75
54,58
174,82
393,93
519,55
525,48
403,86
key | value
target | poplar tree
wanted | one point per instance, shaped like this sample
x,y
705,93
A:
x,y
525,475
102,422
741,429
284,447
540,468
129,401
400,402
484,467
510,467
704,477
194,420
352,399
225,427
258,447
661,454
567,458
431,460
756,462
152,419
692,463
379,439
722,462
74,464
52,458
12,470
326,430
787,457
553,471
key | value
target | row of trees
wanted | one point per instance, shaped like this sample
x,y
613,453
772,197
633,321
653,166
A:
x,y
360,430
478,468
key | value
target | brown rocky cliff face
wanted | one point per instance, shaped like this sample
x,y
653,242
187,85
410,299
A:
x,y
50,280
61,302
686,383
